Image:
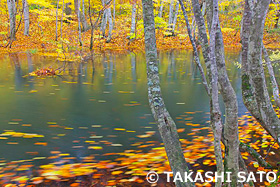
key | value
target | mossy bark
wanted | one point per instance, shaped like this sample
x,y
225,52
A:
x,y
166,125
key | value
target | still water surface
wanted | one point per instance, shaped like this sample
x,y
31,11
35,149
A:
x,y
104,99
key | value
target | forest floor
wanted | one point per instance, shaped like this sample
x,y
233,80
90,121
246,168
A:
x,y
42,38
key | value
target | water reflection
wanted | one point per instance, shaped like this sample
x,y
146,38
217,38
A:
x,y
94,98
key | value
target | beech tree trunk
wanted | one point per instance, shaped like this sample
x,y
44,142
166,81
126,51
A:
x,y
160,9
61,21
26,17
104,20
110,20
107,16
175,17
12,16
166,125
56,21
170,19
133,22
214,56
215,117
196,56
81,14
230,132
258,101
274,84
79,23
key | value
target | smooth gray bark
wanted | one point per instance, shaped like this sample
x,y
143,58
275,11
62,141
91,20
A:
x,y
56,21
268,115
107,16
114,13
170,18
12,17
274,84
79,23
133,22
248,91
196,56
160,9
26,17
216,123
110,20
230,131
166,125
104,20
175,16
61,21
81,14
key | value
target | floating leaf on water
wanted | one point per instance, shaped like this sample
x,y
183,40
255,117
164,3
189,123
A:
x,y
117,145
119,129
96,126
95,147
96,137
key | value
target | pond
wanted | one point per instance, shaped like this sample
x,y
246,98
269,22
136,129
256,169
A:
x,y
102,103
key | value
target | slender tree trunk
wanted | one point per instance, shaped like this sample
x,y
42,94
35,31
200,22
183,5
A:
x,y
79,23
216,122
268,115
56,21
26,17
175,17
160,9
196,56
133,22
104,19
12,16
114,13
170,20
82,16
275,89
166,125
110,20
230,132
248,91
61,21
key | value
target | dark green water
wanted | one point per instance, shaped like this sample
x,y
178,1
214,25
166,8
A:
x,y
109,92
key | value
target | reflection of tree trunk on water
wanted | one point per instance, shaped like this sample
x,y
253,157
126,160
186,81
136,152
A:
x,y
133,66
110,77
80,73
93,71
171,67
18,72
30,69
166,125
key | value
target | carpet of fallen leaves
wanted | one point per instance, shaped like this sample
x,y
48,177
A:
x,y
130,167
42,37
